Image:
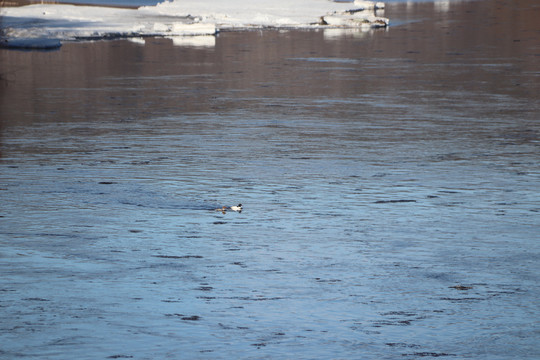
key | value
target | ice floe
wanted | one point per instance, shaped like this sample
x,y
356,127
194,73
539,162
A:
x,y
181,18
68,22
240,14
369,5
31,43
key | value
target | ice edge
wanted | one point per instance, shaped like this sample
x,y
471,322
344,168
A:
x,y
46,26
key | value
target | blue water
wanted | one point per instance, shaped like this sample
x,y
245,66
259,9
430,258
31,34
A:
x,y
389,179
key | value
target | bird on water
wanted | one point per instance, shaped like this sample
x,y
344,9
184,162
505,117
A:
x,y
237,208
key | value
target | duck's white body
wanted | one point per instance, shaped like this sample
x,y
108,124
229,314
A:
x,y
237,208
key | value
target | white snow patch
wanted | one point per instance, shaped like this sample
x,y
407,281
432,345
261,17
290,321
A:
x,y
68,22
234,14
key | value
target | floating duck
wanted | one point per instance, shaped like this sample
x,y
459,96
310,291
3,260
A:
x,y
223,209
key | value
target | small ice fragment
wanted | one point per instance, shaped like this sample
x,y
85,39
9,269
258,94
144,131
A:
x,y
364,21
369,5
137,40
205,41
193,29
31,43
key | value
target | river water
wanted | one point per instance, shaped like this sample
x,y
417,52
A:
x,y
389,180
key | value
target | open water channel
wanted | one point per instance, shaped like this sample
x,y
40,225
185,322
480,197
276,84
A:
x,y
389,180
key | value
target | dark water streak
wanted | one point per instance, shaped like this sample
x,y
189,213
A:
x,y
390,183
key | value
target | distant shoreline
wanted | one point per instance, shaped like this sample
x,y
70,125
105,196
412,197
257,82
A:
x,y
104,3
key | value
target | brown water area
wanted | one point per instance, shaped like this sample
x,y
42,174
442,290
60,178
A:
x,y
471,46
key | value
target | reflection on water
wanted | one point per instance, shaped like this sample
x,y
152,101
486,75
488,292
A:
x,y
389,182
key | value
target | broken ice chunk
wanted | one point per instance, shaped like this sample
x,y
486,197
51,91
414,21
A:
x,y
369,5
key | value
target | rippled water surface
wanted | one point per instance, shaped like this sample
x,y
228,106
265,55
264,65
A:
x,y
390,184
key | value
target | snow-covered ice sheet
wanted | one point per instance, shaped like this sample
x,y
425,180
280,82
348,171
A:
x,y
259,13
68,22
183,18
